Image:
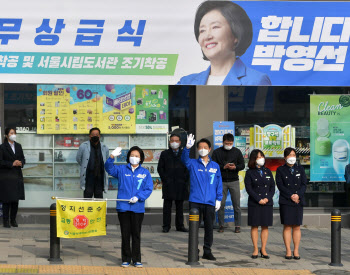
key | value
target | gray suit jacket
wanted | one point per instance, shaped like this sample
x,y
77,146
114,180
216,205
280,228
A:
x,y
82,158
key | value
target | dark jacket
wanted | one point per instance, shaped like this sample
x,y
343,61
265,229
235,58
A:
x,y
11,178
289,184
222,157
174,175
259,187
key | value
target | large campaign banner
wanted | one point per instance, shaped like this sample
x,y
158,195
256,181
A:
x,y
329,136
75,109
175,42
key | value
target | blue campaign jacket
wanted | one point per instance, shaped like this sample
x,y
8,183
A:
x,y
131,184
259,187
239,74
206,182
289,184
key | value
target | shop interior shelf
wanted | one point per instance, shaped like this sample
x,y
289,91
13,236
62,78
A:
x,y
67,176
325,192
41,162
37,176
66,148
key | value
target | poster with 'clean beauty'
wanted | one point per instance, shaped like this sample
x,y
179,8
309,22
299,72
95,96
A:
x,y
329,136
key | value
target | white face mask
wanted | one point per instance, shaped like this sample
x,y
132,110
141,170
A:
x,y
174,145
291,160
134,160
12,138
228,147
260,161
203,152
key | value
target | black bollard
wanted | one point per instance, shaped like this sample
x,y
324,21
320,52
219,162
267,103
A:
x,y
54,240
336,238
193,237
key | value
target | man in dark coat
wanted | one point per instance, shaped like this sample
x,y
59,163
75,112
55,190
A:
x,y
175,178
11,178
231,161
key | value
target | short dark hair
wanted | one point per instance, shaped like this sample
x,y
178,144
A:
x,y
7,131
204,140
288,150
228,137
93,129
253,156
138,149
175,135
237,18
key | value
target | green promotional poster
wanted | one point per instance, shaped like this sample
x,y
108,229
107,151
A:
x,y
151,109
329,136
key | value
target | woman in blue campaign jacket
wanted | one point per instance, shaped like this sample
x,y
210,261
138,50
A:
x,y
260,187
224,32
205,188
291,182
134,184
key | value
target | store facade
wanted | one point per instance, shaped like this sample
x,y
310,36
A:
x,y
294,53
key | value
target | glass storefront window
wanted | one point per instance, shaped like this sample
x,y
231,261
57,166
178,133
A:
x,y
249,106
51,168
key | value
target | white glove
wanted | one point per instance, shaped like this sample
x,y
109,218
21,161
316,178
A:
x,y
190,141
217,206
117,152
133,200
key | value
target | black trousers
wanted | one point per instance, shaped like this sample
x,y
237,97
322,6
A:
x,y
9,210
179,218
207,213
93,185
130,226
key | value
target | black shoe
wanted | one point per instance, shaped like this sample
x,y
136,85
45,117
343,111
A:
x,y
14,223
7,224
288,257
296,257
238,229
165,230
183,229
264,256
221,229
255,256
209,256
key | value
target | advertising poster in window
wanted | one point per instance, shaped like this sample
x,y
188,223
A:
x,y
273,139
219,129
118,114
329,136
152,109
75,109
53,109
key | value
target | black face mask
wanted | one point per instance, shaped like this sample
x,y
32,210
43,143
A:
x,y
95,139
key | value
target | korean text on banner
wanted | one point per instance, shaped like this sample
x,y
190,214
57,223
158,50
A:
x,y
79,219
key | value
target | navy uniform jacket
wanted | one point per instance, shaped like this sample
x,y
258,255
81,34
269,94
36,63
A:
x,y
289,184
259,187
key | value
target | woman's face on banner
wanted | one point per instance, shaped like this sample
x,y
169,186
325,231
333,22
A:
x,y
215,36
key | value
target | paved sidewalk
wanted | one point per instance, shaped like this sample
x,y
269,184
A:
x,y
26,249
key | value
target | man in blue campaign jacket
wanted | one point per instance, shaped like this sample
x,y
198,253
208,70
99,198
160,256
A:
x,y
205,188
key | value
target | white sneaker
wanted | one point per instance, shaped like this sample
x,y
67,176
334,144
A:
x,y
138,264
125,264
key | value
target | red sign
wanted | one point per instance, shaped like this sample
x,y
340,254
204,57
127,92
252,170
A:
x,y
81,221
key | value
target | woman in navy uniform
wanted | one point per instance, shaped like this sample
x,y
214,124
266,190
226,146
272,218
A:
x,y
260,187
291,181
